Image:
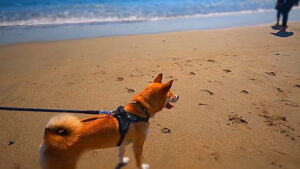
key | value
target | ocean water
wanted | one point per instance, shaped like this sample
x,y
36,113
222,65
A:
x,y
54,20
57,12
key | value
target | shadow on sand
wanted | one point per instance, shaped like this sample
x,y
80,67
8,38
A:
x,y
283,34
120,165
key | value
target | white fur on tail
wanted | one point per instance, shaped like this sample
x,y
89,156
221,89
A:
x,y
62,131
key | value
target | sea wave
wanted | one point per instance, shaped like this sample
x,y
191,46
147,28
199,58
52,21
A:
x,y
85,20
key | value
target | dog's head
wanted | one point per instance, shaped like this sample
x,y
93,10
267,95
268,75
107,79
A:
x,y
157,96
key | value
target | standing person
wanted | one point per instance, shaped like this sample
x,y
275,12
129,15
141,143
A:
x,y
287,6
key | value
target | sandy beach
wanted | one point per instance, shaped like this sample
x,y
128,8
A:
x,y
239,96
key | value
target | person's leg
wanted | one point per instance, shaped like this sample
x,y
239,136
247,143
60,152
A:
x,y
285,15
284,18
278,17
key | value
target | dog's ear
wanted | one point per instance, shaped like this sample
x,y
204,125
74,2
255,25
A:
x,y
168,86
158,78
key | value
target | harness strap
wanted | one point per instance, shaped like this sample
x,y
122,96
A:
x,y
125,119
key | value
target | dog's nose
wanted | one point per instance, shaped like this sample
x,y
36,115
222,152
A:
x,y
176,98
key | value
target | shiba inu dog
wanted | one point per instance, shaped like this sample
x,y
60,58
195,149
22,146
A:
x,y
66,137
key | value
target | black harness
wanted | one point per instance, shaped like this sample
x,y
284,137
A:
x,y
125,119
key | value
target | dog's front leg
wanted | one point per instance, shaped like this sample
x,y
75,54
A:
x,y
138,151
123,160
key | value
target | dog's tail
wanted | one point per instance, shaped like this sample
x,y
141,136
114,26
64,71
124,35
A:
x,y
62,131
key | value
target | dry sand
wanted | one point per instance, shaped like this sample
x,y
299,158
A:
x,y
239,96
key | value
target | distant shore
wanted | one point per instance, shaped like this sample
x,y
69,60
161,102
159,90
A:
x,y
21,34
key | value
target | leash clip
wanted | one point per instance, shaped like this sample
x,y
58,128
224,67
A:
x,y
105,112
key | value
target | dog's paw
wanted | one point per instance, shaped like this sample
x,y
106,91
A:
x,y
145,166
125,160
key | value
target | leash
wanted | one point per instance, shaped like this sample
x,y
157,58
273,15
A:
x,y
57,110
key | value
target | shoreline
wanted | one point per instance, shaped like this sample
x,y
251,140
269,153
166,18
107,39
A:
x,y
272,31
132,19
23,34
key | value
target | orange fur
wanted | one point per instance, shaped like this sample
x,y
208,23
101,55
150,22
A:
x,y
68,123
66,137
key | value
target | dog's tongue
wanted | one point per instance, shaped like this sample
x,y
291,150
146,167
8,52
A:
x,y
169,105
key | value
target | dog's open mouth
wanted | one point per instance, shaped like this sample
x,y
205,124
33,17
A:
x,y
169,105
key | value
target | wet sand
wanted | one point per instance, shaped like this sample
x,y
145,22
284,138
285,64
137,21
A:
x,y
239,96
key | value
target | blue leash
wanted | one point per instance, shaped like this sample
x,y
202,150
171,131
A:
x,y
57,110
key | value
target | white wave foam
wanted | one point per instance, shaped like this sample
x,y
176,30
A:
x,y
57,21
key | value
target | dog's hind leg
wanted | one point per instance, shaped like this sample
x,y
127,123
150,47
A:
x,y
123,160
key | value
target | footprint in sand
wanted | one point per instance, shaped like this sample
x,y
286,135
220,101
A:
x,y
100,72
159,125
271,73
280,124
71,83
67,60
290,103
176,59
253,79
211,60
213,154
10,142
279,90
276,164
244,91
130,90
203,104
209,92
236,119
179,65
272,119
119,79
227,70
279,152
192,73
165,130
297,85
